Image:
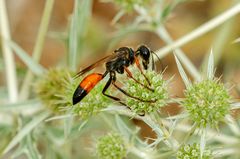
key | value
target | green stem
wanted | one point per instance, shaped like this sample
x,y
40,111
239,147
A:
x,y
37,51
7,54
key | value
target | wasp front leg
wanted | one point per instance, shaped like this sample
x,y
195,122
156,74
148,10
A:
x,y
129,74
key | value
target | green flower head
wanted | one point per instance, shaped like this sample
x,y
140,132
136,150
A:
x,y
128,5
160,94
207,102
111,146
56,90
53,89
92,103
193,152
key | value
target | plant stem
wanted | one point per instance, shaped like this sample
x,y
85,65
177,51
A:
x,y
200,30
37,51
139,153
8,55
214,135
162,32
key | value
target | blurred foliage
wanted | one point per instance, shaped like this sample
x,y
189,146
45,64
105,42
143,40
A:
x,y
47,125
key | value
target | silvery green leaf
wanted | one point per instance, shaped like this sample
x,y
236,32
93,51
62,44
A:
x,y
235,105
236,40
123,128
232,125
68,123
32,149
182,73
210,68
78,27
32,65
59,117
178,116
203,141
25,131
21,105
82,125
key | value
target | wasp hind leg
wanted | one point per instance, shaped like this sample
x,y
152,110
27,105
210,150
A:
x,y
109,96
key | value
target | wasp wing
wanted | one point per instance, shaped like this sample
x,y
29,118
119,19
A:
x,y
99,62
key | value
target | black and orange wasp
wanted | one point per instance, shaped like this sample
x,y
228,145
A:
x,y
118,62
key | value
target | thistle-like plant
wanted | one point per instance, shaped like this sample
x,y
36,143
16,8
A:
x,y
160,96
111,146
206,101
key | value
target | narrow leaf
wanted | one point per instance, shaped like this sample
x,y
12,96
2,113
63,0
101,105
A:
x,y
210,68
32,149
232,125
123,128
23,55
21,105
68,123
235,105
82,125
25,131
78,27
178,116
182,73
203,141
236,40
59,117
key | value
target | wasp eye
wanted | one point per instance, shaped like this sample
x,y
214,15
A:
x,y
144,52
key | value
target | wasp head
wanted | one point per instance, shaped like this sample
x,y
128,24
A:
x,y
144,53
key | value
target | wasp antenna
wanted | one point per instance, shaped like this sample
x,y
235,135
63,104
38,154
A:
x,y
158,60
153,63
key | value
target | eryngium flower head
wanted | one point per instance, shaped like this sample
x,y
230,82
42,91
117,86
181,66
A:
x,y
193,152
160,94
92,103
52,89
128,5
111,146
207,102
56,90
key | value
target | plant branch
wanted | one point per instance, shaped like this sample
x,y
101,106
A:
x,y
8,54
37,51
162,32
200,30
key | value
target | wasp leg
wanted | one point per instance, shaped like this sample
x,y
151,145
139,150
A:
x,y
140,68
113,76
131,76
129,95
109,96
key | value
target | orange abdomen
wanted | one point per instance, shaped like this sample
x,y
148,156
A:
x,y
87,84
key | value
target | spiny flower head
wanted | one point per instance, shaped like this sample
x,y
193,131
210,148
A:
x,y
207,102
129,4
52,89
160,94
111,146
56,89
92,103
193,152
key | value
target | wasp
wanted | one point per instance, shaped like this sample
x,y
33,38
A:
x,y
118,62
